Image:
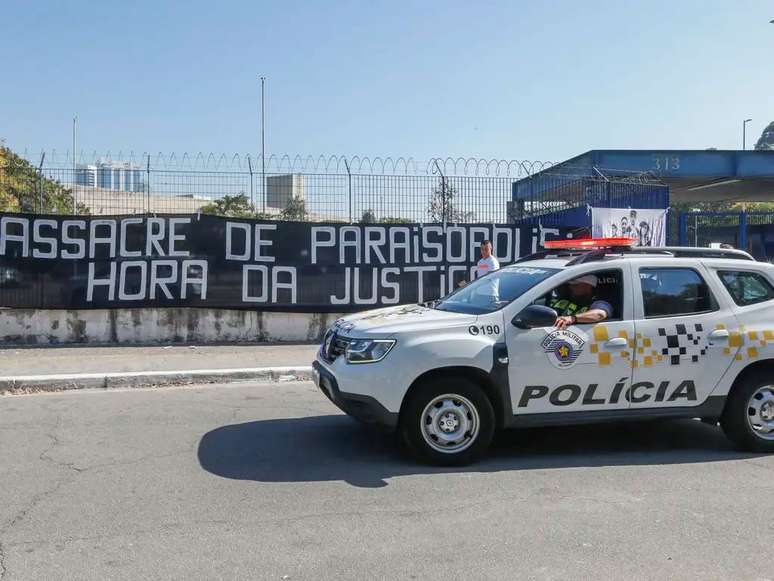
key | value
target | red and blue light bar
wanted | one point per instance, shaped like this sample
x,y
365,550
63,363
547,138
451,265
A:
x,y
586,243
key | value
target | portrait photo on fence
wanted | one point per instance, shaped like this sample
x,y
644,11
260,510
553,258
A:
x,y
646,226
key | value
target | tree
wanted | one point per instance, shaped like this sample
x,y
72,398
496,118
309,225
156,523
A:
x,y
394,220
237,206
442,205
294,210
23,189
368,217
767,138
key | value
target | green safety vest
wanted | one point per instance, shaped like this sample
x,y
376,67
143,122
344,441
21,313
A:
x,y
566,307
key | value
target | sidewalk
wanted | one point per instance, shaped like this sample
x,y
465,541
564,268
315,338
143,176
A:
x,y
56,368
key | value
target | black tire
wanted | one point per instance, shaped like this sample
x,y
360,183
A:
x,y
734,420
468,393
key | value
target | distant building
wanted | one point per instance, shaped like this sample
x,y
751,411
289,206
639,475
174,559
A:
x,y
86,175
280,189
122,176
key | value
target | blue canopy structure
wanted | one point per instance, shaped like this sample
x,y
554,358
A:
x,y
691,175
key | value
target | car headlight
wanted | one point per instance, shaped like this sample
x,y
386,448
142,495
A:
x,y
368,350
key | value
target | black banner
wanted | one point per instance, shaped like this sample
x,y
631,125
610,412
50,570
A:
x,y
207,261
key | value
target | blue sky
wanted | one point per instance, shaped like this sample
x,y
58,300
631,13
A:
x,y
517,80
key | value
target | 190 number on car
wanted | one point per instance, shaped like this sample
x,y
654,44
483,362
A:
x,y
484,329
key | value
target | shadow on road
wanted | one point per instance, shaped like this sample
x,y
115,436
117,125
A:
x,y
333,447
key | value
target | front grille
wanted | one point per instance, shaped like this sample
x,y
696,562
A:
x,y
333,346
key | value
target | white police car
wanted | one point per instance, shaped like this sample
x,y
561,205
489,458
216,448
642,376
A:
x,y
691,336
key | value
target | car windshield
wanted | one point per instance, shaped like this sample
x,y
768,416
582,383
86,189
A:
x,y
494,291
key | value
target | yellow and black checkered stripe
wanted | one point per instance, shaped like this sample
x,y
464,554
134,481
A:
x,y
677,344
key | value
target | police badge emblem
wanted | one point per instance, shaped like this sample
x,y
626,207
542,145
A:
x,y
563,347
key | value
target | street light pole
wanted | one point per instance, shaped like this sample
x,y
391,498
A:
x,y
263,141
75,161
744,133
75,142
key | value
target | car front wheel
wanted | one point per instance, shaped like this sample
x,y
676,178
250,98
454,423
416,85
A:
x,y
449,421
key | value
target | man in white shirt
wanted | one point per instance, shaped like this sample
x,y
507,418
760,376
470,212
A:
x,y
488,262
486,265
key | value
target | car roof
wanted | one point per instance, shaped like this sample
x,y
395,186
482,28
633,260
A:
x,y
672,256
560,263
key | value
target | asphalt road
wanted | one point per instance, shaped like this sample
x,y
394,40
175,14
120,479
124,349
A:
x,y
270,482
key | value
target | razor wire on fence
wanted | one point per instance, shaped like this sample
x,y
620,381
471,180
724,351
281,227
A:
x,y
321,188
285,163
333,188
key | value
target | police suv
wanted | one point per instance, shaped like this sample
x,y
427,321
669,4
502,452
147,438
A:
x,y
690,335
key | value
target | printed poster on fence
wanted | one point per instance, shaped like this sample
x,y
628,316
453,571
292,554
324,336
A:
x,y
647,227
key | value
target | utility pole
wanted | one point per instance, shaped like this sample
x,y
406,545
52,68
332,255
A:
x,y
263,140
744,133
75,159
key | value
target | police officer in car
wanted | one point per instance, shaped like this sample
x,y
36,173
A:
x,y
577,303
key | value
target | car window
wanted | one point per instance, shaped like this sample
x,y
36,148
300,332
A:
x,y
608,289
668,292
495,290
746,288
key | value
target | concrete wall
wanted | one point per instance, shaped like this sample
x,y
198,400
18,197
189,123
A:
x,y
152,325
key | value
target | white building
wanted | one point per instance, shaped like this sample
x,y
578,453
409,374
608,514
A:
x,y
86,175
280,189
123,176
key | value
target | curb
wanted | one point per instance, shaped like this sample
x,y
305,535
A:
x,y
129,379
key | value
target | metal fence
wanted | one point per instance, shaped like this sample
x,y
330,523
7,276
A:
x,y
555,199
750,231
315,197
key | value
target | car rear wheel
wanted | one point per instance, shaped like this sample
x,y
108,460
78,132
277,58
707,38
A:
x,y
748,419
448,421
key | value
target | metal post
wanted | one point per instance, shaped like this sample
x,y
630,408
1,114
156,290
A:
x,y
443,198
349,179
147,183
744,133
443,192
75,161
696,230
743,230
682,226
40,184
263,140
250,167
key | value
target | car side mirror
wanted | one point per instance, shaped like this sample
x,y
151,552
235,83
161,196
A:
x,y
534,316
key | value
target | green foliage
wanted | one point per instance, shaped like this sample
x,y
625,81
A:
x,y
237,206
766,140
295,210
722,206
263,216
394,220
23,189
369,217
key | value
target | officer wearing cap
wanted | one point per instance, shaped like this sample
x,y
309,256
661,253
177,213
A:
x,y
579,303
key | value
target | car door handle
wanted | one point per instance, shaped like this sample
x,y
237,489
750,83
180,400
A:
x,y
617,343
718,335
